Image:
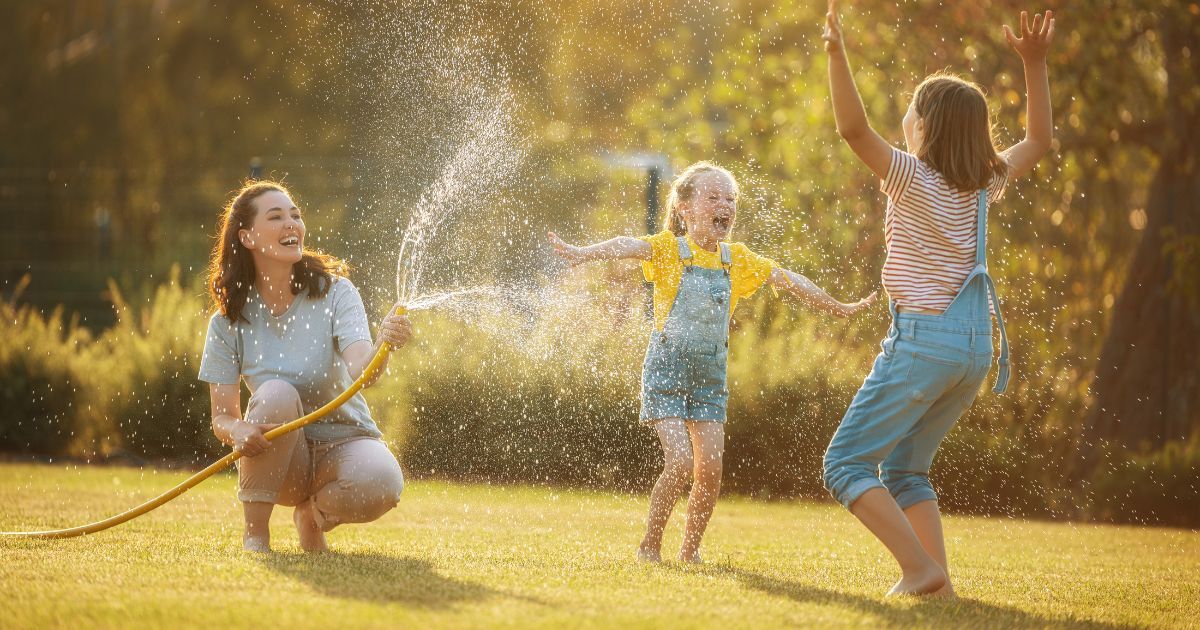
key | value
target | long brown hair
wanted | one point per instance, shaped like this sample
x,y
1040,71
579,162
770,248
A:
x,y
957,140
682,189
231,270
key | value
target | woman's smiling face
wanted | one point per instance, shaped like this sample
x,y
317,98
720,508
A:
x,y
709,213
277,232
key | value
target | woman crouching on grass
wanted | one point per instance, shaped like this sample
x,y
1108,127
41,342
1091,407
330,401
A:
x,y
291,324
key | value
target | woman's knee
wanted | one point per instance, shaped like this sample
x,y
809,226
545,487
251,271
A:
x,y
274,401
379,487
375,498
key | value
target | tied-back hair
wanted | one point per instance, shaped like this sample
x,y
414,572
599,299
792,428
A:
x,y
231,270
682,189
957,140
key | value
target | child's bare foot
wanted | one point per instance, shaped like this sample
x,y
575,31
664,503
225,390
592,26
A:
x,y
946,592
648,554
257,544
926,582
690,558
311,536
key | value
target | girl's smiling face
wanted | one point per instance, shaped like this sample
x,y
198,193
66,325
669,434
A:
x,y
277,233
710,211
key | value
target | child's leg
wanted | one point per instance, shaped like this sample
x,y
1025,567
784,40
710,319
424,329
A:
x,y
279,474
905,471
708,443
920,573
677,471
893,399
926,522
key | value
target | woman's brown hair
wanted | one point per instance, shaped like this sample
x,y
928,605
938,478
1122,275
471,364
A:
x,y
231,270
682,189
957,137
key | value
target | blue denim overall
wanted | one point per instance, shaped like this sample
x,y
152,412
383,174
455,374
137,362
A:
x,y
927,374
683,375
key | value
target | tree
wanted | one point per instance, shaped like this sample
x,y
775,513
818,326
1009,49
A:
x,y
1146,388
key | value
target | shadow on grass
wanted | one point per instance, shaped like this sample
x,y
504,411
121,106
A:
x,y
961,612
378,578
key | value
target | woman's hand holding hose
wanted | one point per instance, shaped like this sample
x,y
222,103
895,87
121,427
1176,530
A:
x,y
248,437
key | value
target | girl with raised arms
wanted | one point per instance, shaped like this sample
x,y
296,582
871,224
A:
x,y
938,349
698,279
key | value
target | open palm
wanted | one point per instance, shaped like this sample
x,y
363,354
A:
x,y
1035,37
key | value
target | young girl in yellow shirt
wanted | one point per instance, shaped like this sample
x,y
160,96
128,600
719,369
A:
x,y
698,279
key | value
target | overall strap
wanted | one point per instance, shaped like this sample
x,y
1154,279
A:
x,y
1005,370
685,252
981,232
726,257
990,289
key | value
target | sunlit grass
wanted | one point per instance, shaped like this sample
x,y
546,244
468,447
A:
x,y
476,555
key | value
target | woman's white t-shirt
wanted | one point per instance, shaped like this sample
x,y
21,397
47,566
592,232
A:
x,y
302,347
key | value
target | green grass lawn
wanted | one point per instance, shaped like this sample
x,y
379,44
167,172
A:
x,y
477,555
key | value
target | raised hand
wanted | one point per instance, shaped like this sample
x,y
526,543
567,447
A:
x,y
570,253
833,29
1035,38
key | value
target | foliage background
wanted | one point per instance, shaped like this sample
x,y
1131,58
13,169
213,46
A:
x,y
127,124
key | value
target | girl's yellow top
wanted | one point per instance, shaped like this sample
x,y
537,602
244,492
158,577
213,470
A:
x,y
748,271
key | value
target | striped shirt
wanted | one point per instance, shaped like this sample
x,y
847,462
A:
x,y
930,233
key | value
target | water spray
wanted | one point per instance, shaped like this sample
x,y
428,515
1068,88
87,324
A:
x,y
482,156
372,368
658,170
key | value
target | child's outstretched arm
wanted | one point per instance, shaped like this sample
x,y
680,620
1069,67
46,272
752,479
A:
x,y
848,109
619,247
1032,46
814,296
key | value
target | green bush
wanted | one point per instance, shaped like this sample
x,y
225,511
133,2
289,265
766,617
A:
x,y
150,361
982,473
1161,487
776,437
43,389
553,398
549,404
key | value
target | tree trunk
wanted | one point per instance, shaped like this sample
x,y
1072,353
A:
x,y
1146,389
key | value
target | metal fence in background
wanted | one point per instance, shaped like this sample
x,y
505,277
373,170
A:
x,y
72,229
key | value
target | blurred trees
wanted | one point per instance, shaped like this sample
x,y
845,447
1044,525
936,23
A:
x,y
1147,389
128,123
1112,211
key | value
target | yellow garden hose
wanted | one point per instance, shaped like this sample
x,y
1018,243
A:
x,y
220,464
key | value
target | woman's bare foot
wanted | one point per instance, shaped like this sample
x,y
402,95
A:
x,y
257,544
311,536
926,582
647,554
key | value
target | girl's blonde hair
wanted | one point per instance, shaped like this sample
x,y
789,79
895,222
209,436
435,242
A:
x,y
957,139
682,189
